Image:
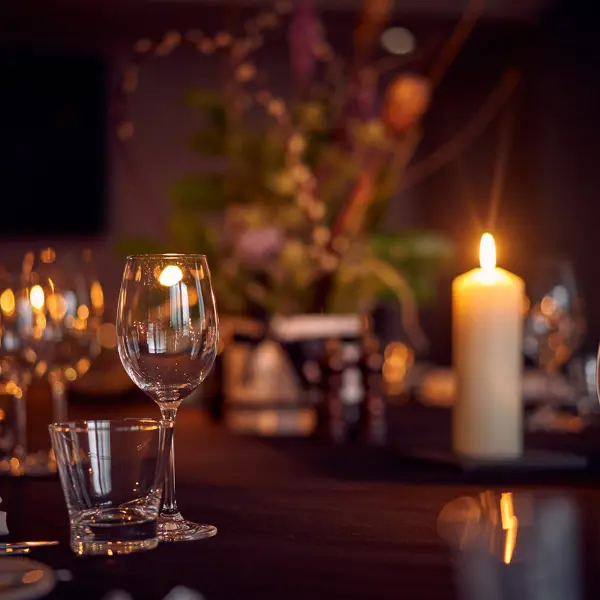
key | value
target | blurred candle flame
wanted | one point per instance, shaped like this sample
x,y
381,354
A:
x,y
57,306
170,275
83,312
7,302
487,252
97,296
36,297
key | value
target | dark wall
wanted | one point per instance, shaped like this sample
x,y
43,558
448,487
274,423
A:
x,y
549,206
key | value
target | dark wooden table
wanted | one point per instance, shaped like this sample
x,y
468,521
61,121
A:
x,y
296,519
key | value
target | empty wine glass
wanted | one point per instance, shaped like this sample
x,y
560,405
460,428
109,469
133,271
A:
x,y
17,362
168,334
554,328
68,304
555,324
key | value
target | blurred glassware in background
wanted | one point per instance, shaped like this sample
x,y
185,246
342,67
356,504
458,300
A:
x,y
17,363
398,371
50,317
554,328
68,307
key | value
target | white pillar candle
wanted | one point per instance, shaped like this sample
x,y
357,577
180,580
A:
x,y
487,323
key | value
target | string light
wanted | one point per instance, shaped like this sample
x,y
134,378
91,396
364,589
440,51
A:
x,y
245,72
206,46
239,49
142,46
223,39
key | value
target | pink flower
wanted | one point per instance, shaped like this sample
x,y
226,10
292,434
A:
x,y
254,246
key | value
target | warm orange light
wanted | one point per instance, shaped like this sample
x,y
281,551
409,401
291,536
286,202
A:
x,y
40,368
7,302
70,373
97,297
510,524
36,297
506,510
170,275
511,540
57,306
487,252
83,312
547,306
107,335
48,255
83,366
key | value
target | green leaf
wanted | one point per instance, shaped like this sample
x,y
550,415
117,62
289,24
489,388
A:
x,y
199,192
409,246
209,142
211,104
191,233
419,255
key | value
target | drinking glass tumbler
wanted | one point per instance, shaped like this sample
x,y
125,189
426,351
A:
x,y
112,475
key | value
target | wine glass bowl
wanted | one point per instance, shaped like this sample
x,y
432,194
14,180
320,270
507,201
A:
x,y
168,334
555,324
67,307
17,360
554,329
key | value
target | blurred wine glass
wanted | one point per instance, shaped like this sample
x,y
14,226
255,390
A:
x,y
554,327
67,307
17,362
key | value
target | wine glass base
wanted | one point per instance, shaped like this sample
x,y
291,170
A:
x,y
174,528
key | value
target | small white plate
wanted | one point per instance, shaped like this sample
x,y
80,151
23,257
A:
x,y
25,579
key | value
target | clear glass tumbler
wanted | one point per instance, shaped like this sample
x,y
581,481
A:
x,y
112,474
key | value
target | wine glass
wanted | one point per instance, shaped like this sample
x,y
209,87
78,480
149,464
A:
x,y
168,334
554,327
555,324
68,304
17,361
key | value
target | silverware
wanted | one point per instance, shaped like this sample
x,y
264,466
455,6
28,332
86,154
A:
x,y
12,546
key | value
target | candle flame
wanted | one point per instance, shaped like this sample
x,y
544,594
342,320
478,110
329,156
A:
x,y
170,275
36,297
487,252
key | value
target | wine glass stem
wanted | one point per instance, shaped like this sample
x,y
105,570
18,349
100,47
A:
x,y
59,400
20,406
169,506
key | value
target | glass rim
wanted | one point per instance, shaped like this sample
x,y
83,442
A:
x,y
167,255
119,425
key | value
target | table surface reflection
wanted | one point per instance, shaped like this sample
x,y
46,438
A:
x,y
296,519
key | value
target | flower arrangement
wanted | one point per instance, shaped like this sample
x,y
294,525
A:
x,y
291,217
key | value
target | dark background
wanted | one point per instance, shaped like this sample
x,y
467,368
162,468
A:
x,y
53,151
64,178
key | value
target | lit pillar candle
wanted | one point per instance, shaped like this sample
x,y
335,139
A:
x,y
487,323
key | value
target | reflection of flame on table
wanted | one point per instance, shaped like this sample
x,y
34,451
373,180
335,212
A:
x,y
489,520
514,545
510,524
